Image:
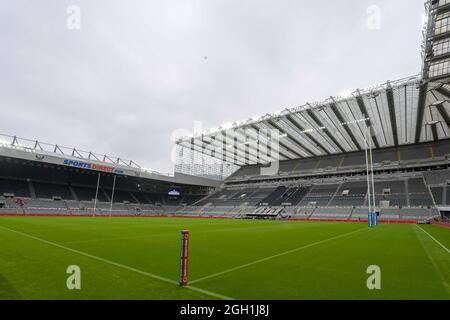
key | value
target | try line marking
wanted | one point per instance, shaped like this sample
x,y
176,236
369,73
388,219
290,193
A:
x,y
119,265
276,256
435,240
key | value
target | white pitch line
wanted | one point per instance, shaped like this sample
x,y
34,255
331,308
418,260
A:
x,y
275,256
435,240
119,265
433,262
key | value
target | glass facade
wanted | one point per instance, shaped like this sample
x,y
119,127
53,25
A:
x,y
437,40
198,163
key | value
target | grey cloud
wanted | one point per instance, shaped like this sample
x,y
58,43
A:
x,y
136,71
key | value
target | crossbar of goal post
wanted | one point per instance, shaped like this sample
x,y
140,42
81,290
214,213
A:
x,y
184,259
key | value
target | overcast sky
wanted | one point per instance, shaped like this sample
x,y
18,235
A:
x,y
136,71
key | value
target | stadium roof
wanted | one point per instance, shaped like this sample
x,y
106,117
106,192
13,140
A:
x,y
402,112
46,153
398,113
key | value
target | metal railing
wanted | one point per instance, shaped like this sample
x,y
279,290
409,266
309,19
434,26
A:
x,y
37,146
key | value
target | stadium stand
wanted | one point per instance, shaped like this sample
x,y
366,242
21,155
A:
x,y
49,191
88,194
319,195
407,186
322,170
410,181
350,194
19,188
27,187
438,195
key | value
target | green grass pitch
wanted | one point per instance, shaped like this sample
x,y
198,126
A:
x,y
138,258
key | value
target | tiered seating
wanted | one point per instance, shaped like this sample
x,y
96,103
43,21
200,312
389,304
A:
x,y
243,194
332,213
419,196
48,191
399,196
190,199
284,197
417,214
273,196
350,194
46,206
154,198
396,186
218,211
72,204
287,196
320,195
298,195
19,188
261,194
401,156
121,196
390,214
360,213
140,197
438,194
88,194
396,197
331,187
170,209
385,214
219,197
236,197
303,212
437,177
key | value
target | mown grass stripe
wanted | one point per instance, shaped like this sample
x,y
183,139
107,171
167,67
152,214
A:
x,y
119,265
276,256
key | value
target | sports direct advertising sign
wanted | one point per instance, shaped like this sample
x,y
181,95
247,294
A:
x,y
90,166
